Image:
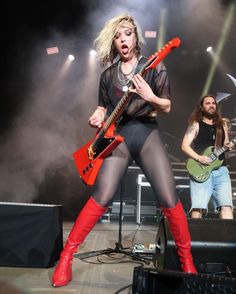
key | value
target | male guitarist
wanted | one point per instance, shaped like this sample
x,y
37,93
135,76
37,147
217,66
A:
x,y
208,128
118,46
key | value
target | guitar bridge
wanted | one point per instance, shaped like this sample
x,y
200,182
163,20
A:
x,y
87,168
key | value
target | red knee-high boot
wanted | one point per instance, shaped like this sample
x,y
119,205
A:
x,y
84,223
179,228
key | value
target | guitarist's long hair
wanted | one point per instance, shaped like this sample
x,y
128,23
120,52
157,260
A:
x,y
106,51
197,116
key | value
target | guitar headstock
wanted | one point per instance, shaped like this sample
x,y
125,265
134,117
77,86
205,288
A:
x,y
155,58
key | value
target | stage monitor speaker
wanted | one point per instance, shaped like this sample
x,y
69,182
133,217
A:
x,y
149,280
30,234
213,245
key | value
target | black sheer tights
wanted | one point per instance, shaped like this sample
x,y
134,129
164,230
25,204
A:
x,y
154,163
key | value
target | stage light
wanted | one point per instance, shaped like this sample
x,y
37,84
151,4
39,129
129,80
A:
x,y
162,28
92,59
209,49
220,45
93,52
150,34
71,57
52,50
221,97
232,78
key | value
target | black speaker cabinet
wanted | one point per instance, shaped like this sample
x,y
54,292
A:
x,y
213,245
149,280
30,234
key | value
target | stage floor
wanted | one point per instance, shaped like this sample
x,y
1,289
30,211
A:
x,y
102,275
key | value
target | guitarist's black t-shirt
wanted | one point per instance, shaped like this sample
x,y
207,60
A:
x,y
206,137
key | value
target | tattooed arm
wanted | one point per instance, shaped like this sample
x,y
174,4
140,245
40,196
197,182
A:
x,y
189,136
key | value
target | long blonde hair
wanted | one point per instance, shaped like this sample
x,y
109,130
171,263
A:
x,y
104,45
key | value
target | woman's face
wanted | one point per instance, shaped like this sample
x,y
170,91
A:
x,y
125,40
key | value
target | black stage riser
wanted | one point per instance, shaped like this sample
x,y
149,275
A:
x,y
31,235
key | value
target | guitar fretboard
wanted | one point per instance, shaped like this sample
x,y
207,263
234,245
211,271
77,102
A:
x,y
218,152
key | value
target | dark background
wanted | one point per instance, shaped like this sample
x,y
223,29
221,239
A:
x,y
45,107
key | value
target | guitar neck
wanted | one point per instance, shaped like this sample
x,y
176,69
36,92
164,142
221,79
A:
x,y
120,107
224,148
221,150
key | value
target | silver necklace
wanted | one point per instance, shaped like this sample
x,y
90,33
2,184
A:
x,y
123,78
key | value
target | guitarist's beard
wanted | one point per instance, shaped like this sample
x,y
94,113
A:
x,y
209,115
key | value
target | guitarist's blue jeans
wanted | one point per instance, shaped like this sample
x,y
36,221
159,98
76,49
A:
x,y
218,187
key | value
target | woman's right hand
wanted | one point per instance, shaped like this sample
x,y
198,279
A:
x,y
97,118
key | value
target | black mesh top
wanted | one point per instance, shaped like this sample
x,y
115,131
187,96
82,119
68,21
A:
x,y
110,90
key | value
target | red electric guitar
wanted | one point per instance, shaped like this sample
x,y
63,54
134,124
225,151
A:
x,y
89,158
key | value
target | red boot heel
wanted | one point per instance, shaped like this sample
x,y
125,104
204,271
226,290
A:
x,y
179,228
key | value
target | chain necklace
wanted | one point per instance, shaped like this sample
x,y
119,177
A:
x,y
123,78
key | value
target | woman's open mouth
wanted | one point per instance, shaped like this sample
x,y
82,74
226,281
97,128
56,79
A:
x,y
124,49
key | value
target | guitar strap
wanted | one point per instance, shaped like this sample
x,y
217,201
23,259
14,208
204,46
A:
x,y
218,141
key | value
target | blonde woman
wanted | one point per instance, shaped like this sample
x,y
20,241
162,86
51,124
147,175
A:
x,y
118,46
